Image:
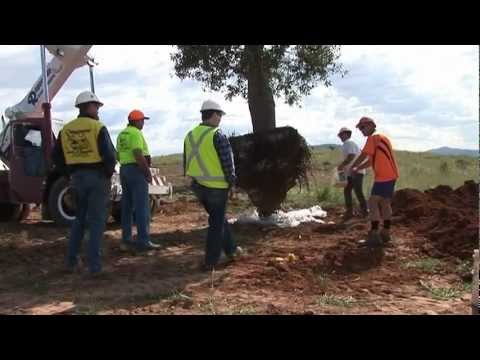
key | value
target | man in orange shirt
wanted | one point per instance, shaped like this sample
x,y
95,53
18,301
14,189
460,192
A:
x,y
379,152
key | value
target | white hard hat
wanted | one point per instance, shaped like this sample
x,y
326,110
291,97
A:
x,y
344,129
86,97
211,105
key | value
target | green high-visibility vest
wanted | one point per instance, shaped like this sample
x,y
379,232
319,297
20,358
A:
x,y
128,140
202,161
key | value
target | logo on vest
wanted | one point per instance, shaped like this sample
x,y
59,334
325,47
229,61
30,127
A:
x,y
78,143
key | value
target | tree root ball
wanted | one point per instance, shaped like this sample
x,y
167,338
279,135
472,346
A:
x,y
270,163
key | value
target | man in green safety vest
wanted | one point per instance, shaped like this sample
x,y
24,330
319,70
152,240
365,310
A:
x,y
134,157
208,160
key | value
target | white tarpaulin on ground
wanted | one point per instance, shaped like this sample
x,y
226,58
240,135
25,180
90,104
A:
x,y
284,219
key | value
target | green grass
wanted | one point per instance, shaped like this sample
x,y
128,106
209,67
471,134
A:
x,y
334,300
243,310
322,281
179,296
417,170
464,268
174,159
423,171
209,306
443,293
429,265
467,287
325,195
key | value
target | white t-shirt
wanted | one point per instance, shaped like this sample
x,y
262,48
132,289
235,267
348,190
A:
x,y
349,147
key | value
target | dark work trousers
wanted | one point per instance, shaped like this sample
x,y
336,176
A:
x,y
219,235
355,183
92,189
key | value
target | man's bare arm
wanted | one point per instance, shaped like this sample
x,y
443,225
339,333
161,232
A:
x,y
359,160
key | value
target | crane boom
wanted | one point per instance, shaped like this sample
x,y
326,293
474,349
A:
x,y
66,58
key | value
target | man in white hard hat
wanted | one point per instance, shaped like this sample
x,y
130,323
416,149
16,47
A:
x,y
208,160
350,152
85,151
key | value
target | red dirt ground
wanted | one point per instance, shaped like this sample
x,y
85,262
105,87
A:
x,y
331,274
448,218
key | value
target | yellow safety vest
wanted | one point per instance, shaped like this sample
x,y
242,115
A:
x,y
80,141
202,161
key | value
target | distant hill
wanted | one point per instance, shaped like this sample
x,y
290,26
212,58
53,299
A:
x,y
452,151
440,151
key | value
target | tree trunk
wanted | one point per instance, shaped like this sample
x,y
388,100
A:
x,y
260,96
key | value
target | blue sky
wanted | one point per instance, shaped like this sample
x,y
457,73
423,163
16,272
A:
x,y
423,97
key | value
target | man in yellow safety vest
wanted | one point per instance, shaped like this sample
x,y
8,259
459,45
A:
x,y
85,151
208,160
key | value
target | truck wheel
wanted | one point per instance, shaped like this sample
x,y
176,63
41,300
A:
x,y
61,202
10,212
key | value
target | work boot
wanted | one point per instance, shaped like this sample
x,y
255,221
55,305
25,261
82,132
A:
x,y
373,240
239,252
148,247
385,236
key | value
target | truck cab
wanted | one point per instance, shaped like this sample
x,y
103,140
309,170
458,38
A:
x,y
27,175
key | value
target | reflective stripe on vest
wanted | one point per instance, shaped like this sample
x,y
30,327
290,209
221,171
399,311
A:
x,y
197,152
80,141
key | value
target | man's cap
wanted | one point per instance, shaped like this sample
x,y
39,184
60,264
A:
x,y
137,115
344,129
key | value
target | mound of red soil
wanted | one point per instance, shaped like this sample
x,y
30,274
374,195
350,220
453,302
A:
x,y
447,217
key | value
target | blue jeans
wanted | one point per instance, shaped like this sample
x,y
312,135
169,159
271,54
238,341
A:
x,y
219,235
135,199
91,189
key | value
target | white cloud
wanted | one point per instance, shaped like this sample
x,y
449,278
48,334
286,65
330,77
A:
x,y
422,96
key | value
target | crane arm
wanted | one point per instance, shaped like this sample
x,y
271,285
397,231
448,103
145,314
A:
x,y
66,58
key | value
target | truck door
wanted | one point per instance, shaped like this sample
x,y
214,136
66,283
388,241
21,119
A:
x,y
28,166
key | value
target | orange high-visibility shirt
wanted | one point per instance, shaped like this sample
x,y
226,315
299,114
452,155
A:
x,y
380,151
